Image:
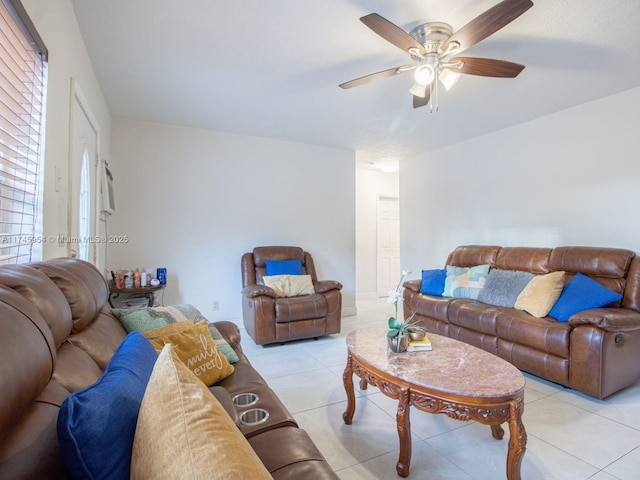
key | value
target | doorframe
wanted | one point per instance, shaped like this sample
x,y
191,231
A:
x,y
78,97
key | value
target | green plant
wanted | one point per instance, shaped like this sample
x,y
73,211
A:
x,y
397,327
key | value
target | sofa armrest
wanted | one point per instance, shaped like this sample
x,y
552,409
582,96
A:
x,y
323,286
229,331
253,291
609,319
413,285
223,396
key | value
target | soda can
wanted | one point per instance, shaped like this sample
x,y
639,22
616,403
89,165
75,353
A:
x,y
161,275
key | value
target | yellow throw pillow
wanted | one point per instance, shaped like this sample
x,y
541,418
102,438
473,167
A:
x,y
170,329
195,346
540,294
184,432
290,285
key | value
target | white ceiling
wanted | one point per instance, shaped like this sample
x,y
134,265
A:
x,y
272,68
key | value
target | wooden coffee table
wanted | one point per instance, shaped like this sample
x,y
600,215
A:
x,y
459,380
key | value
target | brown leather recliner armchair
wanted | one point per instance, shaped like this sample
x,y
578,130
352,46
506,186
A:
x,y
271,319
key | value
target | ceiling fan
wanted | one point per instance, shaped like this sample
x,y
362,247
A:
x,y
434,47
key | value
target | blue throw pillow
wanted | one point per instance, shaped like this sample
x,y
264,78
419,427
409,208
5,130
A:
x,y
283,267
433,281
96,425
581,293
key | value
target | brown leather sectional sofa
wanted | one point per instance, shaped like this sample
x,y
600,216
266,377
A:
x,y
57,335
596,352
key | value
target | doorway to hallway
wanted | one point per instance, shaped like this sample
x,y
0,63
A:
x,y
388,239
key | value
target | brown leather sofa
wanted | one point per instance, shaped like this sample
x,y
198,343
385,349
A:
x,y
271,319
57,335
596,352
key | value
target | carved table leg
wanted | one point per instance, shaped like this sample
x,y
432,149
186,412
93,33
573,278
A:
x,y
517,440
404,433
347,378
363,384
497,431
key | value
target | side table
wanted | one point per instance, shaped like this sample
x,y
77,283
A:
x,y
147,292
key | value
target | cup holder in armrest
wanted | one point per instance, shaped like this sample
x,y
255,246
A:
x,y
254,416
245,399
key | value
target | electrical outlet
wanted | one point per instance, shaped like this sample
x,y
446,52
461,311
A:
x,y
216,305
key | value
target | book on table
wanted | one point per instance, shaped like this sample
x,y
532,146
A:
x,y
423,345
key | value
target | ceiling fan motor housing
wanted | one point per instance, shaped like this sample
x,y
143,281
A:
x,y
431,35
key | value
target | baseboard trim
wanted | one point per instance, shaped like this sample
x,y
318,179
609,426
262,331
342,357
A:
x,y
349,311
366,296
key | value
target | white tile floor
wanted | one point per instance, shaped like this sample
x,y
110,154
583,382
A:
x,y
570,436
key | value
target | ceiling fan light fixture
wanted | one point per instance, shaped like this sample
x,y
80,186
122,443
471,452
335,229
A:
x,y
418,90
424,74
448,78
388,168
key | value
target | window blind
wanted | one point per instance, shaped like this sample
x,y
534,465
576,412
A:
x,y
23,70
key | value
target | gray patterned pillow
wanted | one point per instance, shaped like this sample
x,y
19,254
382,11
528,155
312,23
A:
x,y
502,287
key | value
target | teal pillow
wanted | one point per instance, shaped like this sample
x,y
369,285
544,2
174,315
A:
x,y
283,267
96,425
222,344
145,319
462,282
433,281
581,293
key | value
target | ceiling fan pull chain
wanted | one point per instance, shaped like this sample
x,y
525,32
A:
x,y
433,93
435,81
431,98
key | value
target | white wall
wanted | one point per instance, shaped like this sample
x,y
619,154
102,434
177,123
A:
x,y
571,178
194,201
568,178
370,185
68,57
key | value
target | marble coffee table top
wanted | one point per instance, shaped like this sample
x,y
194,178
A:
x,y
452,367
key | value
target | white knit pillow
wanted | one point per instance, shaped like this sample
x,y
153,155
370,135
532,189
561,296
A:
x,y
290,285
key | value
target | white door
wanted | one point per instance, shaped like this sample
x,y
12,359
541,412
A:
x,y
388,244
82,181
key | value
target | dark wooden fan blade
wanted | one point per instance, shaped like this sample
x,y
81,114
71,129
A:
x,y
487,67
392,33
375,76
421,102
486,24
